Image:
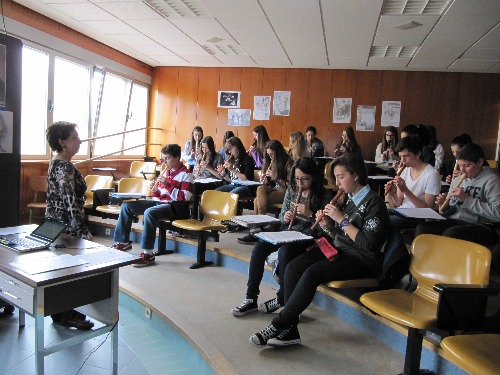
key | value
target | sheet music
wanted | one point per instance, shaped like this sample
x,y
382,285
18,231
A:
x,y
250,221
206,180
278,238
419,213
128,195
246,182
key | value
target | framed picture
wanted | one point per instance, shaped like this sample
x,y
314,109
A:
x,y
229,99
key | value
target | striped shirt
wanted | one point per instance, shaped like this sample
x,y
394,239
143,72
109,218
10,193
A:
x,y
178,186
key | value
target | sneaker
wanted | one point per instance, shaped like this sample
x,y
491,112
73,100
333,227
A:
x,y
286,337
261,338
249,239
269,306
145,260
122,246
248,305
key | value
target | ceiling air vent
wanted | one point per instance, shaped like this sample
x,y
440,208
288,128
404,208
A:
x,y
407,25
178,8
414,7
224,50
392,51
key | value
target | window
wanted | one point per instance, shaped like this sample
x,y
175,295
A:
x,y
99,102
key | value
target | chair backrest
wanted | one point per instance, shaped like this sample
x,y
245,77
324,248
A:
x,y
38,183
97,182
133,185
218,205
143,169
256,175
326,174
439,259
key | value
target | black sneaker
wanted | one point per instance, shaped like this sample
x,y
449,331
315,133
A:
x,y
248,305
145,260
249,239
260,339
269,306
286,337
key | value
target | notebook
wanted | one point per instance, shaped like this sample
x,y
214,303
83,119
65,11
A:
x,y
418,213
279,238
40,238
253,221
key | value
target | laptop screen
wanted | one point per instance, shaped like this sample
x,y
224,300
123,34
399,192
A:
x,y
49,229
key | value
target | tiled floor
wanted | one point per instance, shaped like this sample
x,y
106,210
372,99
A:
x,y
143,349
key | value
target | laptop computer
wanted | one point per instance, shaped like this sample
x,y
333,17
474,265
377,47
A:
x,y
40,238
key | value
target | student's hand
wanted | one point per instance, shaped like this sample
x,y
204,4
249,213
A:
x,y
287,217
448,179
456,173
400,183
440,199
390,188
334,213
220,168
458,193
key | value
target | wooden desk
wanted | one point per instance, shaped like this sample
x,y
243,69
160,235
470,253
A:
x,y
91,288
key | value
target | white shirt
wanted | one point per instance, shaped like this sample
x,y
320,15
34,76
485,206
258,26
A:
x,y
427,183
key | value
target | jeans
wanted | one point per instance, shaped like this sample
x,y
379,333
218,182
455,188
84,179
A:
x,y
306,272
152,213
261,250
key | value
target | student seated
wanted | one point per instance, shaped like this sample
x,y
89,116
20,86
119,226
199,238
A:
x,y
315,147
358,229
206,167
474,208
297,147
347,144
417,186
257,149
239,166
450,169
306,179
176,184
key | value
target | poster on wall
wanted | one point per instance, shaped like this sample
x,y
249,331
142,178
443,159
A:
x,y
238,117
391,114
261,107
281,103
342,110
229,99
365,119
6,132
3,74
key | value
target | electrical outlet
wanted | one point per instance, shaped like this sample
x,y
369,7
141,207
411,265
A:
x,y
107,231
148,313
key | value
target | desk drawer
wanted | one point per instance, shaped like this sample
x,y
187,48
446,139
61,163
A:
x,y
16,293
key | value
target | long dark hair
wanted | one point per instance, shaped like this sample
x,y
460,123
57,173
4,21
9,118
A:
x,y
235,141
354,164
209,141
262,138
308,166
386,145
280,162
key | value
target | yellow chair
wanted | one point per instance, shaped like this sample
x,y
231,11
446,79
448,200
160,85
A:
x,y
435,260
143,169
215,207
95,182
330,185
125,185
39,185
476,354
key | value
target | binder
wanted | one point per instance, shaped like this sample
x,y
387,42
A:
x,y
283,237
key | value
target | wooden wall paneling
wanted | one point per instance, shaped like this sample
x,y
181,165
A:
x,y
26,194
488,137
417,98
275,80
296,81
319,100
153,135
167,79
392,88
443,107
368,85
251,85
343,86
230,80
187,104
469,112
208,84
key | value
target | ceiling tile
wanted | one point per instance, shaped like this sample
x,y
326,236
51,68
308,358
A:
x,y
111,27
126,10
83,12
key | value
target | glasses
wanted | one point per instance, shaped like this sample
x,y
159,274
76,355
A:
x,y
389,135
303,178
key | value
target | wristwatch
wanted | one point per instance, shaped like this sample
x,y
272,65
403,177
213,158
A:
x,y
344,223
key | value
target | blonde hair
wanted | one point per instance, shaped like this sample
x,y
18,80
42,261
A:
x,y
298,145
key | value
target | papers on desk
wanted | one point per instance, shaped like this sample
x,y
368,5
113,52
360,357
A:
x,y
418,213
128,195
253,221
106,256
51,262
279,238
246,182
206,180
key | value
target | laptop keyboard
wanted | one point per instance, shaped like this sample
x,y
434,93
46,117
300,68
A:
x,y
26,242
